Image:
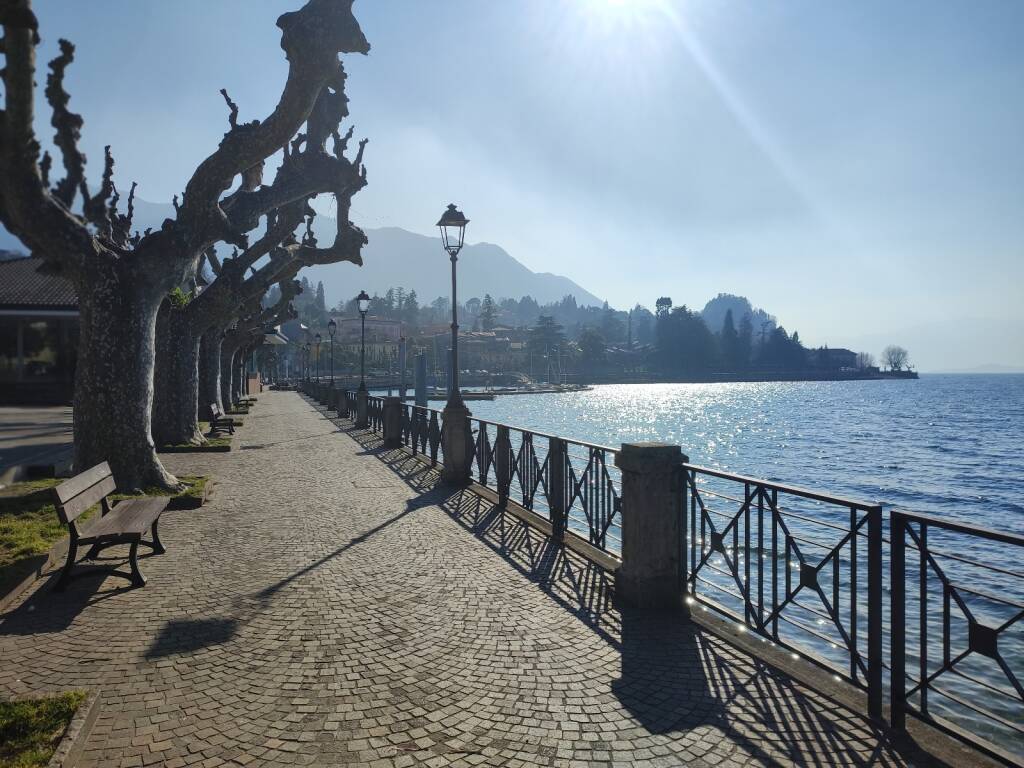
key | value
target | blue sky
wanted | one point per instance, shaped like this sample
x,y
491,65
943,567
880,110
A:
x,y
853,168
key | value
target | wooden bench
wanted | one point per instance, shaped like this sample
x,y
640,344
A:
x,y
218,419
121,523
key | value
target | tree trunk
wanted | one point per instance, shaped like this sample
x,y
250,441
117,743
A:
x,y
237,376
114,377
176,379
210,370
227,376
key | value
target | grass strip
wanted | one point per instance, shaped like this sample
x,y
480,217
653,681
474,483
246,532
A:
x,y
29,525
31,730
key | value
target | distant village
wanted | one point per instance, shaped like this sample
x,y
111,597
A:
x,y
504,341
729,340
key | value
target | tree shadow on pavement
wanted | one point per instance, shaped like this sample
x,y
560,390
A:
x,y
677,679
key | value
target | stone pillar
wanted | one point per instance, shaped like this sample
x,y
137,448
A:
x,y
392,418
343,403
457,445
556,486
362,406
652,526
503,463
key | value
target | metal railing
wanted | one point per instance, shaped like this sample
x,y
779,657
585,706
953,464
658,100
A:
x,y
573,484
421,431
375,413
957,635
799,568
803,570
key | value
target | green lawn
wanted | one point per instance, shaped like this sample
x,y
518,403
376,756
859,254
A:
x,y
28,528
31,730
29,524
222,442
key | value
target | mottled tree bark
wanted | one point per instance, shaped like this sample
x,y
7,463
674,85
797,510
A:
x,y
121,278
176,378
210,371
114,379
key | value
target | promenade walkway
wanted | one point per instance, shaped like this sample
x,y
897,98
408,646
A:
x,y
327,609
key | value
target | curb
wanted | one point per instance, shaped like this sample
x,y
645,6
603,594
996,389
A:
x,y
72,744
54,559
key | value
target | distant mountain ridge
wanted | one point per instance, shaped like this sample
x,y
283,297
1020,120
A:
x,y
396,257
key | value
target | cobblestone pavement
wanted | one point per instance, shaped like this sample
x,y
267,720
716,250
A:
x,y
326,609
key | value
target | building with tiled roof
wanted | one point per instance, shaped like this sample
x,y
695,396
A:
x,y
38,333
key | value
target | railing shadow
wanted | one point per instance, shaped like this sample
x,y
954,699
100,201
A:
x,y
676,679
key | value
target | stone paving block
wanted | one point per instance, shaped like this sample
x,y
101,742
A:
x,y
331,606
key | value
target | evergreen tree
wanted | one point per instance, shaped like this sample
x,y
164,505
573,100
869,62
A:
x,y
730,343
745,341
546,335
592,350
488,312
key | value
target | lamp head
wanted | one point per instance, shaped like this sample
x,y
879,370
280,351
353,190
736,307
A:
x,y
453,229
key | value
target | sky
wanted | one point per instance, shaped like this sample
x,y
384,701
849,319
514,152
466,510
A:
x,y
856,169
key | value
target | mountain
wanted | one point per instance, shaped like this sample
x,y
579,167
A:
x,y
715,310
395,257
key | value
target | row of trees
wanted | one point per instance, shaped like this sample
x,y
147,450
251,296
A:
x,y
146,303
484,314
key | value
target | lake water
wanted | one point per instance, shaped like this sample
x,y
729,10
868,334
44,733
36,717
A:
x,y
949,445
945,445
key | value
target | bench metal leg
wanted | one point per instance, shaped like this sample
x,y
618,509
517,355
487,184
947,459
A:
x,y
157,545
65,574
137,579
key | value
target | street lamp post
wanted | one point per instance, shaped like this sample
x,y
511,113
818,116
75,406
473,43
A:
x,y
453,229
332,328
318,339
363,304
456,437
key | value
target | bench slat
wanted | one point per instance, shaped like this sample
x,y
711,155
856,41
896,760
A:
x,y
75,485
72,508
131,516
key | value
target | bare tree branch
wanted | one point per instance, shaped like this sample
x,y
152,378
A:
x,y
312,38
233,117
67,126
27,209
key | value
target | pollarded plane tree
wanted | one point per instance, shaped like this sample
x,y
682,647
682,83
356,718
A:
x,y
121,279
184,387
247,333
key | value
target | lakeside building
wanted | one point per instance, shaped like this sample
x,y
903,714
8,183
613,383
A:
x,y
835,359
38,334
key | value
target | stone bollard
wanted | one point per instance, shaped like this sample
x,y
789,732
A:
x,y
652,526
392,418
362,409
457,444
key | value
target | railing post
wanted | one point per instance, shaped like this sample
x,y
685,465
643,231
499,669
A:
x,y
875,600
457,445
343,403
503,463
556,486
898,620
392,418
362,404
652,498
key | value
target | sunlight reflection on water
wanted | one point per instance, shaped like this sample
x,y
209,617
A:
x,y
942,444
